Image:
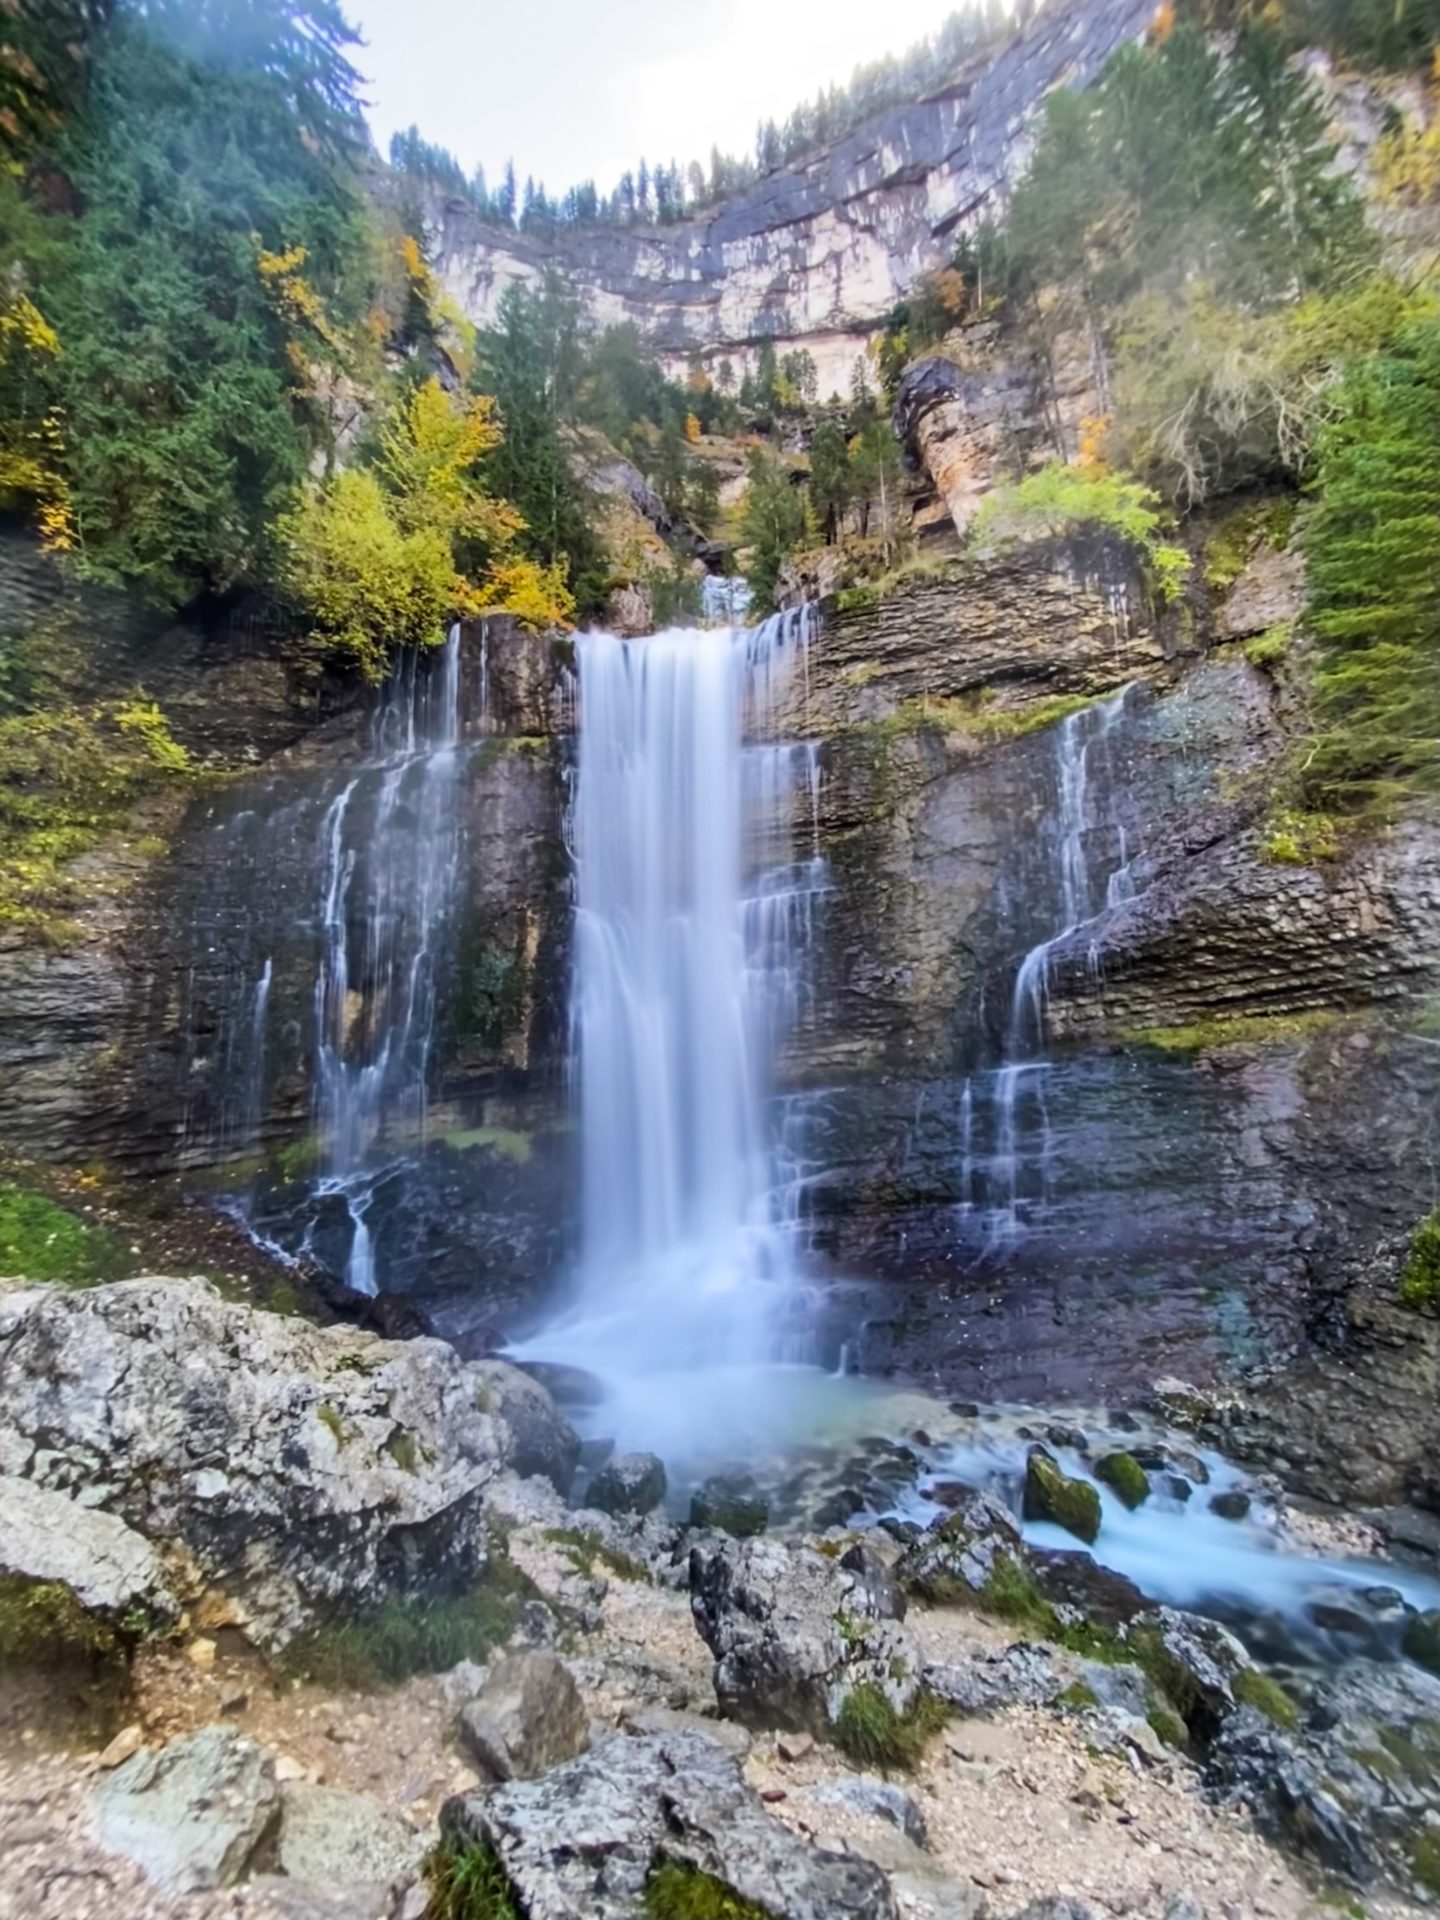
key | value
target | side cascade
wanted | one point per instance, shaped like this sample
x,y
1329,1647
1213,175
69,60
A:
x,y
1091,876
697,885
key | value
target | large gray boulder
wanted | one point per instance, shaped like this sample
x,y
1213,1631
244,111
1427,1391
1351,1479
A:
x,y
193,1814
541,1439
329,1837
109,1568
581,1842
526,1717
794,1634
629,1483
294,1470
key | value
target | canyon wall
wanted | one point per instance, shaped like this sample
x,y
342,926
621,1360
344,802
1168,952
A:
x,y
818,252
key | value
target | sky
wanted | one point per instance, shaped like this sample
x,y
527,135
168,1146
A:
x,y
581,89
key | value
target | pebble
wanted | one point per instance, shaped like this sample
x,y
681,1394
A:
x,y
123,1747
201,1655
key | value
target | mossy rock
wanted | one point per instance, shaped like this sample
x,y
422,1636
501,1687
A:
x,y
677,1892
1051,1494
1125,1477
733,1504
1422,1640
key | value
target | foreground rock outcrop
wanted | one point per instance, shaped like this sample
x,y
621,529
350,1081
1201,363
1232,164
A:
x,y
281,1470
584,1842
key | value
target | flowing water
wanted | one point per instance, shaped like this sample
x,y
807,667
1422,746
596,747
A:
x,y
697,882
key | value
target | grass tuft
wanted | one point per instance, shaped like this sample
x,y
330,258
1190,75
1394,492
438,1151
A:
x,y
412,1634
586,1549
467,1882
676,1892
871,1733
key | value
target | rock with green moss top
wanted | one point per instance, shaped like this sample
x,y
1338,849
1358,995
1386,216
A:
x,y
1422,1640
956,1558
731,1502
643,1824
628,1483
1051,1494
1125,1477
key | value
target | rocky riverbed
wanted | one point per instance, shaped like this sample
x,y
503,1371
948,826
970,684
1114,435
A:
x,y
942,1716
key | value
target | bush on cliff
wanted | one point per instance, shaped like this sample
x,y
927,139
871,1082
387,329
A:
x,y
1062,499
1420,1284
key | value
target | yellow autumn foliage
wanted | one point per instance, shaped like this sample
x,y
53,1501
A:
x,y
31,444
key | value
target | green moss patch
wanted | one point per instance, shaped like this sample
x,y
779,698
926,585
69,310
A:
x,y
586,1549
1267,1696
1125,1477
517,1147
40,1241
1420,1283
872,1733
413,1634
43,1626
676,1892
467,1882
1237,1030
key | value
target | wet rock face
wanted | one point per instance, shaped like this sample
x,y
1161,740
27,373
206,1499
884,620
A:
x,y
819,251
290,1470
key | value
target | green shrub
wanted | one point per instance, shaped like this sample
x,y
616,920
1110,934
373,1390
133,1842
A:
x,y
1268,649
870,1731
40,1241
1062,499
1420,1283
675,1892
467,1882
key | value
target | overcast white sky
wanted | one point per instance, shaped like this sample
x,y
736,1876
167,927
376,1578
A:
x,y
580,89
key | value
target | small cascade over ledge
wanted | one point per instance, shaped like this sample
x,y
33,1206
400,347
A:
x,y
697,879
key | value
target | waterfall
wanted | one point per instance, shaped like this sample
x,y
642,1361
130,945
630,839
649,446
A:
x,y
692,919
1082,891
388,867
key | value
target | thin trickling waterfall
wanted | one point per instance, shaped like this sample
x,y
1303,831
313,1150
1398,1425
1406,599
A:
x,y
697,877
389,858
1084,887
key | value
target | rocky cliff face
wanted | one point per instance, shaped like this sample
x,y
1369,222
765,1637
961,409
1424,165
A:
x,y
819,251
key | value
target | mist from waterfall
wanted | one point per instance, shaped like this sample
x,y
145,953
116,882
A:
x,y
693,916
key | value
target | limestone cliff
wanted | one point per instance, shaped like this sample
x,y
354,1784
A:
x,y
817,252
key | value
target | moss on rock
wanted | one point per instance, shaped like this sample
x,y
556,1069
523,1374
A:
x,y
677,1892
1051,1494
1420,1284
874,1734
1125,1477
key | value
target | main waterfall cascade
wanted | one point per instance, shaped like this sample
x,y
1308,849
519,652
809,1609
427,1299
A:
x,y
697,877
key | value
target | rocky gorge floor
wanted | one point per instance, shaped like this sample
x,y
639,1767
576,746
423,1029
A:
x,y
932,1722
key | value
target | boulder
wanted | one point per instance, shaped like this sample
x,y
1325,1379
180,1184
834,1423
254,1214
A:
x,y
527,1716
628,1483
1197,1661
875,1800
1068,1578
327,1836
731,1502
586,1838
1125,1477
1020,1676
1232,1504
192,1814
1051,1494
956,1557
884,1595
1421,1640
109,1568
793,1634
299,1470
541,1440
